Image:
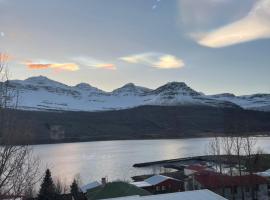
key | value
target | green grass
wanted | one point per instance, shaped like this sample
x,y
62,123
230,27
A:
x,y
115,189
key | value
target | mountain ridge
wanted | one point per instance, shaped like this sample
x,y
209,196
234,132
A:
x,y
42,93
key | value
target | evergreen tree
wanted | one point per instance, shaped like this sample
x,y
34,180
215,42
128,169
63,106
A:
x,y
47,190
74,190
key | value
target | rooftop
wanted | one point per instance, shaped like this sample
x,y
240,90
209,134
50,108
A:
x,y
214,180
190,195
264,174
90,186
153,180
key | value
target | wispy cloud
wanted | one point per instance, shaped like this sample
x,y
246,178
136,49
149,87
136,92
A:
x,y
37,65
256,25
153,59
94,63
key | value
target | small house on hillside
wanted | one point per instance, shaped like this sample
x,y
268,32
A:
x,y
232,187
160,184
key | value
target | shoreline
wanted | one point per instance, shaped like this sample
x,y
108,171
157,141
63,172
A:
x,y
68,141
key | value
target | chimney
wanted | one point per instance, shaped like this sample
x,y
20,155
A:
x,y
103,181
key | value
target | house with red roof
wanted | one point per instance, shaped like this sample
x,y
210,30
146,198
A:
x,y
233,187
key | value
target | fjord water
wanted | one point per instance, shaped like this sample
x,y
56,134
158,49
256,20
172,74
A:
x,y
114,159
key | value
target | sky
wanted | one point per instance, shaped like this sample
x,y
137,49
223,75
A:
x,y
214,46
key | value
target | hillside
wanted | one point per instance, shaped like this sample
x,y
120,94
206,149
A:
x,y
146,122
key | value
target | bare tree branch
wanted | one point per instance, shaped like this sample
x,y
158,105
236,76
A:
x,y
19,168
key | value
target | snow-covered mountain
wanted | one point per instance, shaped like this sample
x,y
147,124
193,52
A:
x,y
252,102
41,93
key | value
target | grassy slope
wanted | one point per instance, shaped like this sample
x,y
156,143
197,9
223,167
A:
x,y
147,122
115,189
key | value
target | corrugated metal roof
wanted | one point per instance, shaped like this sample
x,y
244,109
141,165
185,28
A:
x,y
154,180
141,184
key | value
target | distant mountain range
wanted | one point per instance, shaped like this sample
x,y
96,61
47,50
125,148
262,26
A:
x,y
46,112
41,93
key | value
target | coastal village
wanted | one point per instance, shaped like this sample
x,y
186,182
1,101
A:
x,y
135,100
196,180
186,179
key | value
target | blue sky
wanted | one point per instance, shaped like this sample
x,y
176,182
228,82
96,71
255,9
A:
x,y
212,45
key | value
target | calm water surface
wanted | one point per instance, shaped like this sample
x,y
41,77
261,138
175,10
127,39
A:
x,y
114,159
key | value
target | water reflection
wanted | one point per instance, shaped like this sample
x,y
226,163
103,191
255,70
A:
x,y
114,159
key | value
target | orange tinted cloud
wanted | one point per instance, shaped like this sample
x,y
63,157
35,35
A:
x,y
37,66
109,66
58,66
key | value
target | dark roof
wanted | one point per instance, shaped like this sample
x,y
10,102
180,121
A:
x,y
214,180
115,189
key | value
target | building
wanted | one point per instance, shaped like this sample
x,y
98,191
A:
x,y
266,174
161,184
193,169
190,195
233,187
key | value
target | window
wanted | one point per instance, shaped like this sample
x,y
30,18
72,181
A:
x,y
157,188
163,187
247,189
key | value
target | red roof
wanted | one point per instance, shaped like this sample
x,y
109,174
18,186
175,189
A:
x,y
212,180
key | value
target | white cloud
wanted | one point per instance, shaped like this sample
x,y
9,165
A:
x,y
153,59
94,63
256,25
2,34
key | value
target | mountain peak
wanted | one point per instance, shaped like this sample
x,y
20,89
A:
x,y
87,87
83,86
130,88
37,79
42,80
175,88
130,85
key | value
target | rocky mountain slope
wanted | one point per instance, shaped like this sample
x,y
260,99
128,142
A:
x,y
41,93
